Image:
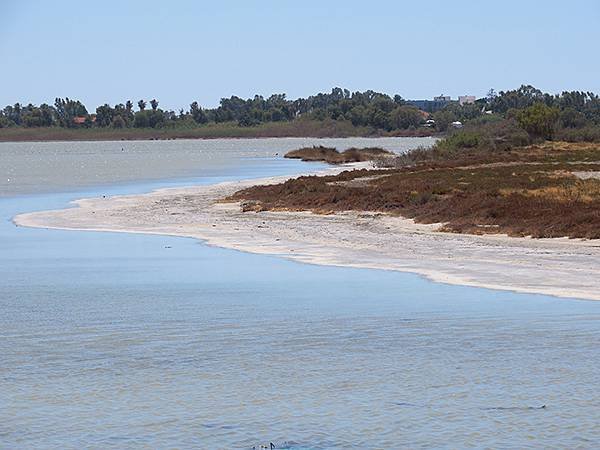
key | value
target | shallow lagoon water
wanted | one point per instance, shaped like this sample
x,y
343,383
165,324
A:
x,y
34,167
133,341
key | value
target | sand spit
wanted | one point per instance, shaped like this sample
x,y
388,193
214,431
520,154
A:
x,y
560,267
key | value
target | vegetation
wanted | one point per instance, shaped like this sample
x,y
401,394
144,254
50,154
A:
x,y
332,156
542,190
538,120
296,128
520,162
570,115
376,111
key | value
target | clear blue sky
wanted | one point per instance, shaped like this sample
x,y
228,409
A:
x,y
179,51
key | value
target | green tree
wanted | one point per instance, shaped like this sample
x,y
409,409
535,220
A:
x,y
539,120
571,118
17,114
67,109
104,115
4,122
38,117
149,119
128,114
197,113
118,122
443,119
404,117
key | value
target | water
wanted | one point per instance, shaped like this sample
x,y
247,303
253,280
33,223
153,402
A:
x,y
33,167
130,341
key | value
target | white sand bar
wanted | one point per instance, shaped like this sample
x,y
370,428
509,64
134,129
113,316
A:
x,y
561,267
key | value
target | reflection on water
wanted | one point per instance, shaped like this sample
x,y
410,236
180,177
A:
x,y
132,341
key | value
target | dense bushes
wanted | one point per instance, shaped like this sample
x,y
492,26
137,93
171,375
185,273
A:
x,y
490,135
590,133
463,139
541,114
539,120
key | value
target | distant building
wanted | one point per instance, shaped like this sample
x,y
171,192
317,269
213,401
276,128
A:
x,y
466,99
80,120
431,106
440,102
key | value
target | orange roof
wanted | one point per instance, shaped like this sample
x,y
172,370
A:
x,y
81,119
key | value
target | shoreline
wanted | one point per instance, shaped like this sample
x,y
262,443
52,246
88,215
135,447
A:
x,y
350,239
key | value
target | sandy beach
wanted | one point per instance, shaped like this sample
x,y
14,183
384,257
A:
x,y
559,267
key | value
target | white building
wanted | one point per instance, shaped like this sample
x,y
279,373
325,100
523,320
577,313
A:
x,y
466,99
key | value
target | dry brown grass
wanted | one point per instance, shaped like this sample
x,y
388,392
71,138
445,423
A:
x,y
586,191
529,192
332,156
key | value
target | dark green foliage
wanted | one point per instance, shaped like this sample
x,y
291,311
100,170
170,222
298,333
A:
x,y
443,119
589,133
571,118
587,103
490,135
403,118
152,118
44,116
464,139
66,110
197,113
104,115
371,110
118,122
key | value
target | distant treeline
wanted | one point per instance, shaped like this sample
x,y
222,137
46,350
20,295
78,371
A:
x,y
381,112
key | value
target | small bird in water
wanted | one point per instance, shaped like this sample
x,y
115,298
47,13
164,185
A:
x,y
261,446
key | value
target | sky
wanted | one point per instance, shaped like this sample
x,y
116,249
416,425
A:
x,y
180,51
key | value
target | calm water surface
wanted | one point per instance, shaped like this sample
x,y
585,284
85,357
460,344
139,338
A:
x,y
131,341
33,167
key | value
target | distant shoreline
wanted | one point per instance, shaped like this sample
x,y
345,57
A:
x,y
301,129
352,239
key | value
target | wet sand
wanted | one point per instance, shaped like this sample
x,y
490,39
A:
x,y
560,267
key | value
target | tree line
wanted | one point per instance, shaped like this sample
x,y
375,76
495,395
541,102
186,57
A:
x,y
379,111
